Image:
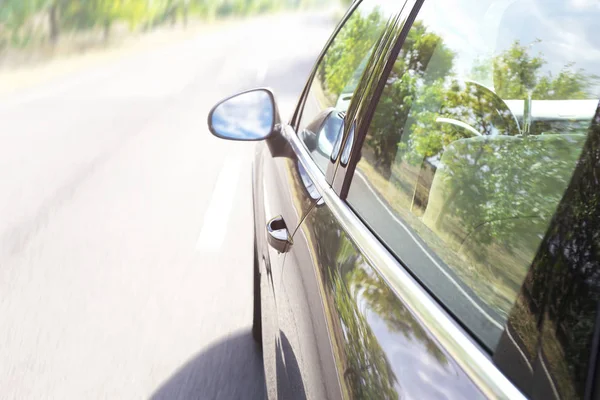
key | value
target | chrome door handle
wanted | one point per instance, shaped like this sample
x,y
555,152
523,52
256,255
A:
x,y
278,235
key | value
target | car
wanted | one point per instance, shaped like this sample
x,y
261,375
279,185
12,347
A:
x,y
427,222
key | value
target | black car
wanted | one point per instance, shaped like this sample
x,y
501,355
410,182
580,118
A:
x,y
427,224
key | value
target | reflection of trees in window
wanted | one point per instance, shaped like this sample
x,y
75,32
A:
x,y
398,100
516,74
423,92
340,69
492,201
496,189
495,195
569,258
449,112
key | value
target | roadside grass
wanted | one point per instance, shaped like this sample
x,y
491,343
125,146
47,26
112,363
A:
x,y
557,365
38,61
523,322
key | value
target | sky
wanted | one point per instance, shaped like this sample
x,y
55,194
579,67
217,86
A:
x,y
563,31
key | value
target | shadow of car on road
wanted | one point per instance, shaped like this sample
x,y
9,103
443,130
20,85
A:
x,y
230,369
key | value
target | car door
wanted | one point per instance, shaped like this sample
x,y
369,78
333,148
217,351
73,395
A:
x,y
305,366
441,253
344,332
287,193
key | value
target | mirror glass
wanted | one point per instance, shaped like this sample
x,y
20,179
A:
x,y
246,116
329,132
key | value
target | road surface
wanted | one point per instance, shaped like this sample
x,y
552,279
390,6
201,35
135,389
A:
x,y
126,229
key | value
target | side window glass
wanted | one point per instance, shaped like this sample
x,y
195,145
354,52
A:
x,y
337,76
471,149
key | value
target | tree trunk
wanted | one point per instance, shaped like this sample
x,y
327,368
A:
x,y
107,25
173,16
53,19
185,15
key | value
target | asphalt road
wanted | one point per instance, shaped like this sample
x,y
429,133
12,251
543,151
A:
x,y
126,229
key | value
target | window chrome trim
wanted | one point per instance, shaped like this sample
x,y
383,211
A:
x,y
453,339
304,157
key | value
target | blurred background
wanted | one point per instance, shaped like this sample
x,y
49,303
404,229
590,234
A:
x,y
126,229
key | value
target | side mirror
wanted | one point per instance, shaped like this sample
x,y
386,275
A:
x,y
321,134
247,116
330,133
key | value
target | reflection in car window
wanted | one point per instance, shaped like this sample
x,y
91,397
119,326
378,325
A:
x,y
337,77
472,147
571,253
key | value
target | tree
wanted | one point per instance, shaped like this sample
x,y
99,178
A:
x,y
15,20
421,50
494,195
53,15
567,267
422,88
19,18
517,74
340,69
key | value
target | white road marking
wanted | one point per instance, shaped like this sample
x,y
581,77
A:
x,y
552,384
216,217
442,270
512,339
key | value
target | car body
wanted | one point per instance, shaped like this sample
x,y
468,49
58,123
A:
x,y
485,283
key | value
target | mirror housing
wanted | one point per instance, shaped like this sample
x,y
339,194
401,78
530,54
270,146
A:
x,y
321,134
246,116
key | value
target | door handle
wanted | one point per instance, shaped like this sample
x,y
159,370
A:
x,y
278,235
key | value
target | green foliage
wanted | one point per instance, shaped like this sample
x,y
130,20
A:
x,y
421,51
20,18
456,152
423,87
516,74
436,93
14,17
468,102
340,69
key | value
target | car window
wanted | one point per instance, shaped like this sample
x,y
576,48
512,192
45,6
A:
x,y
472,146
337,76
